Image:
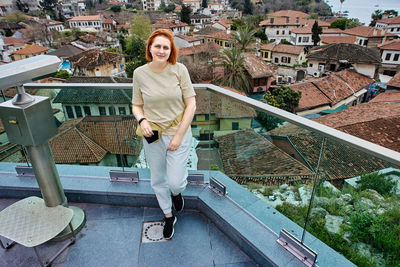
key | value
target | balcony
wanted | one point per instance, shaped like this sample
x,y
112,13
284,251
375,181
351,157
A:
x,y
260,155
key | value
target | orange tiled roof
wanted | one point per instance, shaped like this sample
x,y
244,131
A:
x,y
126,26
369,32
108,21
288,49
95,57
268,46
303,30
85,18
338,39
331,30
391,45
168,24
394,20
31,50
395,81
225,22
189,38
290,13
256,67
197,49
118,3
221,35
14,41
377,122
387,97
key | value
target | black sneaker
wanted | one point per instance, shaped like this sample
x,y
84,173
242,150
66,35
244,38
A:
x,y
177,202
169,223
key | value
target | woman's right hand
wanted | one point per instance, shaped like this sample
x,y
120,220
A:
x,y
146,128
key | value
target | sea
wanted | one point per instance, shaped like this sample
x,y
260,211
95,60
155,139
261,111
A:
x,y
362,9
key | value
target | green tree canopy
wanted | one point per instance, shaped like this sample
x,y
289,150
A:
x,y
204,3
185,14
245,36
316,31
141,26
115,8
136,54
345,23
63,74
248,7
235,74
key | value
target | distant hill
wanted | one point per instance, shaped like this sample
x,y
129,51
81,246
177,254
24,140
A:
x,y
307,6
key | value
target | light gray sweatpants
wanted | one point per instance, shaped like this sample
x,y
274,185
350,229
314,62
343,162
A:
x,y
167,168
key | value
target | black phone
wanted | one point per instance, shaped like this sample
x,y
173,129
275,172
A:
x,y
152,138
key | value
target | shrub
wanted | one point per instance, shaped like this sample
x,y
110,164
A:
x,y
63,74
378,182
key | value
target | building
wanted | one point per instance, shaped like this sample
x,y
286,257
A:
x,y
195,5
29,51
368,36
334,57
345,87
176,26
109,25
390,57
186,41
96,62
72,8
302,36
223,24
221,38
193,54
200,20
259,71
391,25
151,5
325,40
394,83
86,23
11,44
283,54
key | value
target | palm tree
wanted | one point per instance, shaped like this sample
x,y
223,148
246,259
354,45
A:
x,y
244,36
234,75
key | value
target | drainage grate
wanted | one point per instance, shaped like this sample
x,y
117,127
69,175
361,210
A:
x,y
152,232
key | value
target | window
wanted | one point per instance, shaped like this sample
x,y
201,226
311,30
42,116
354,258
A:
x,y
86,110
392,29
194,118
122,111
194,126
396,57
388,56
78,111
235,126
365,42
70,113
102,111
360,42
111,110
277,32
276,60
310,65
306,39
284,59
283,32
206,117
289,59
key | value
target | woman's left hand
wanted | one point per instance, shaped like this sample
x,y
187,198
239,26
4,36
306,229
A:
x,y
175,142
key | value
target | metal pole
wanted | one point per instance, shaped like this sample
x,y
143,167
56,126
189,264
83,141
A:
x,y
47,175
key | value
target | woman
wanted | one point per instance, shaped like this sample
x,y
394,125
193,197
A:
x,y
162,92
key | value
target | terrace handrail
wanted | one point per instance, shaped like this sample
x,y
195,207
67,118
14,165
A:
x,y
361,144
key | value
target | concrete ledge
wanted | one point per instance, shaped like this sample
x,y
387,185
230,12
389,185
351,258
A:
x,y
248,221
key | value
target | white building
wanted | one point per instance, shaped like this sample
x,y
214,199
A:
x,y
302,36
86,23
151,5
390,57
391,25
195,5
186,41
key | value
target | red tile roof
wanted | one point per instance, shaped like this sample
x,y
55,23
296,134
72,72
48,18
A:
x,y
288,49
85,18
283,21
331,30
221,35
289,13
387,97
330,90
257,68
197,49
14,41
338,39
189,38
117,3
225,22
108,21
268,46
377,122
246,152
168,24
303,30
395,81
125,26
95,57
394,20
391,45
369,32
31,50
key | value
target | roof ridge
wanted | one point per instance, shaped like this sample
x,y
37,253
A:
x,y
86,139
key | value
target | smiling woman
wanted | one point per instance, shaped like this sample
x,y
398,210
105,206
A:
x,y
164,99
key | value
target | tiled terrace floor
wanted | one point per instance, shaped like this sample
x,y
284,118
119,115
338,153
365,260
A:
x,y
112,237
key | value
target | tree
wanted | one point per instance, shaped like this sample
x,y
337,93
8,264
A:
x,y
185,14
63,74
122,41
244,36
170,8
235,74
136,51
48,6
16,17
115,8
248,7
282,97
316,31
345,23
377,15
162,6
391,13
204,4
23,7
141,26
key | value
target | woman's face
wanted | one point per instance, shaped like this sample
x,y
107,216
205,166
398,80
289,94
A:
x,y
160,49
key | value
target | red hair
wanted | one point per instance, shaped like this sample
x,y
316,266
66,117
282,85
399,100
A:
x,y
167,34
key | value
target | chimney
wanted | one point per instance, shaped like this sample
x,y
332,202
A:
x,y
48,17
375,32
228,31
287,20
271,20
297,20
